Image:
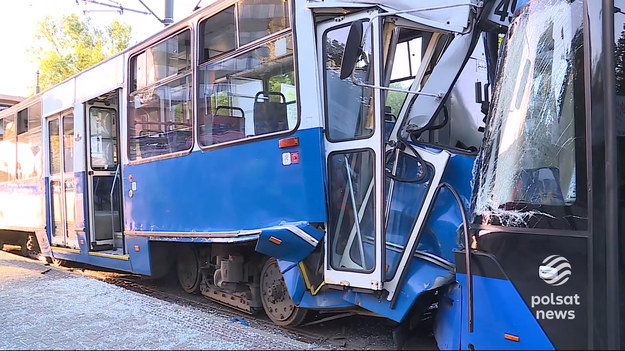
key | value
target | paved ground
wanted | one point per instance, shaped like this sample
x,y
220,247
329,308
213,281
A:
x,y
44,307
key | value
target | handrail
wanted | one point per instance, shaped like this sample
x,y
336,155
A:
x,y
465,226
111,202
391,188
467,255
355,209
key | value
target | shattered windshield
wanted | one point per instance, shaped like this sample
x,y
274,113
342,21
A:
x,y
531,158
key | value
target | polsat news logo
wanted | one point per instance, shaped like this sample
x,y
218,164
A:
x,y
555,270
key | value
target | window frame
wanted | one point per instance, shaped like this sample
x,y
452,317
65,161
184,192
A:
x,y
373,63
200,25
13,141
289,12
116,138
239,51
163,81
30,131
573,217
334,217
15,114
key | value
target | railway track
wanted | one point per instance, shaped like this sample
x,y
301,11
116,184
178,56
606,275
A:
x,y
335,331
338,331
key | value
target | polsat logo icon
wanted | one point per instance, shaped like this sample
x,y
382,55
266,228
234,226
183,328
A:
x,y
555,270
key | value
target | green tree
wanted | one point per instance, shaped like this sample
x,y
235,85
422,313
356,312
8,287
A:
x,y
619,57
66,46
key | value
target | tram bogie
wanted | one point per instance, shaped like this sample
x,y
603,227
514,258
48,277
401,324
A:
x,y
27,241
231,275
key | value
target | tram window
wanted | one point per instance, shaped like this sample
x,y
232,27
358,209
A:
x,y
103,138
138,69
285,84
248,94
29,143
165,59
407,59
259,18
29,118
159,120
404,67
7,149
351,181
159,105
29,154
55,154
533,166
217,35
68,143
353,120
22,121
34,116
168,58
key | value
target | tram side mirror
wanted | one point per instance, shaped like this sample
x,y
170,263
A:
x,y
353,49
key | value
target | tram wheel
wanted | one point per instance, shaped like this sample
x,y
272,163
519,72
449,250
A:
x,y
188,269
30,247
275,297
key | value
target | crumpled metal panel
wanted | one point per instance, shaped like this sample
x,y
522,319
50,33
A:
x,y
442,16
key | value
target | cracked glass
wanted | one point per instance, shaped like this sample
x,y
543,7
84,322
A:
x,y
533,148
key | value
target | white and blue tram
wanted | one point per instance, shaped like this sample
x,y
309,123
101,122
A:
x,y
229,147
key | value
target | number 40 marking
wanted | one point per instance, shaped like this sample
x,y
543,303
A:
x,y
504,9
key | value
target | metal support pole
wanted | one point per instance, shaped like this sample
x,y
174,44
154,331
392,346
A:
x,y
169,12
612,297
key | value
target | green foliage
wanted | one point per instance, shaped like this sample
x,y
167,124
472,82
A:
x,y
275,82
395,99
619,60
67,46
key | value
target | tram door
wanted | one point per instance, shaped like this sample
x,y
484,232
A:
x,y
374,221
354,148
62,183
103,173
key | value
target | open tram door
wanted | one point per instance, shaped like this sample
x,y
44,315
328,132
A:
x,y
104,173
353,142
369,242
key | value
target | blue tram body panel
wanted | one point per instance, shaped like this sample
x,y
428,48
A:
x,y
290,242
80,179
498,310
238,187
440,237
139,254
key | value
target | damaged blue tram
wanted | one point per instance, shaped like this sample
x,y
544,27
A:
x,y
238,148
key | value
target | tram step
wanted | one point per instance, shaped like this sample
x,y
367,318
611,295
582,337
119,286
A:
x,y
118,239
102,247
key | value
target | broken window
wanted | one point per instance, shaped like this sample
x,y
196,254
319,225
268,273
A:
x,y
533,158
